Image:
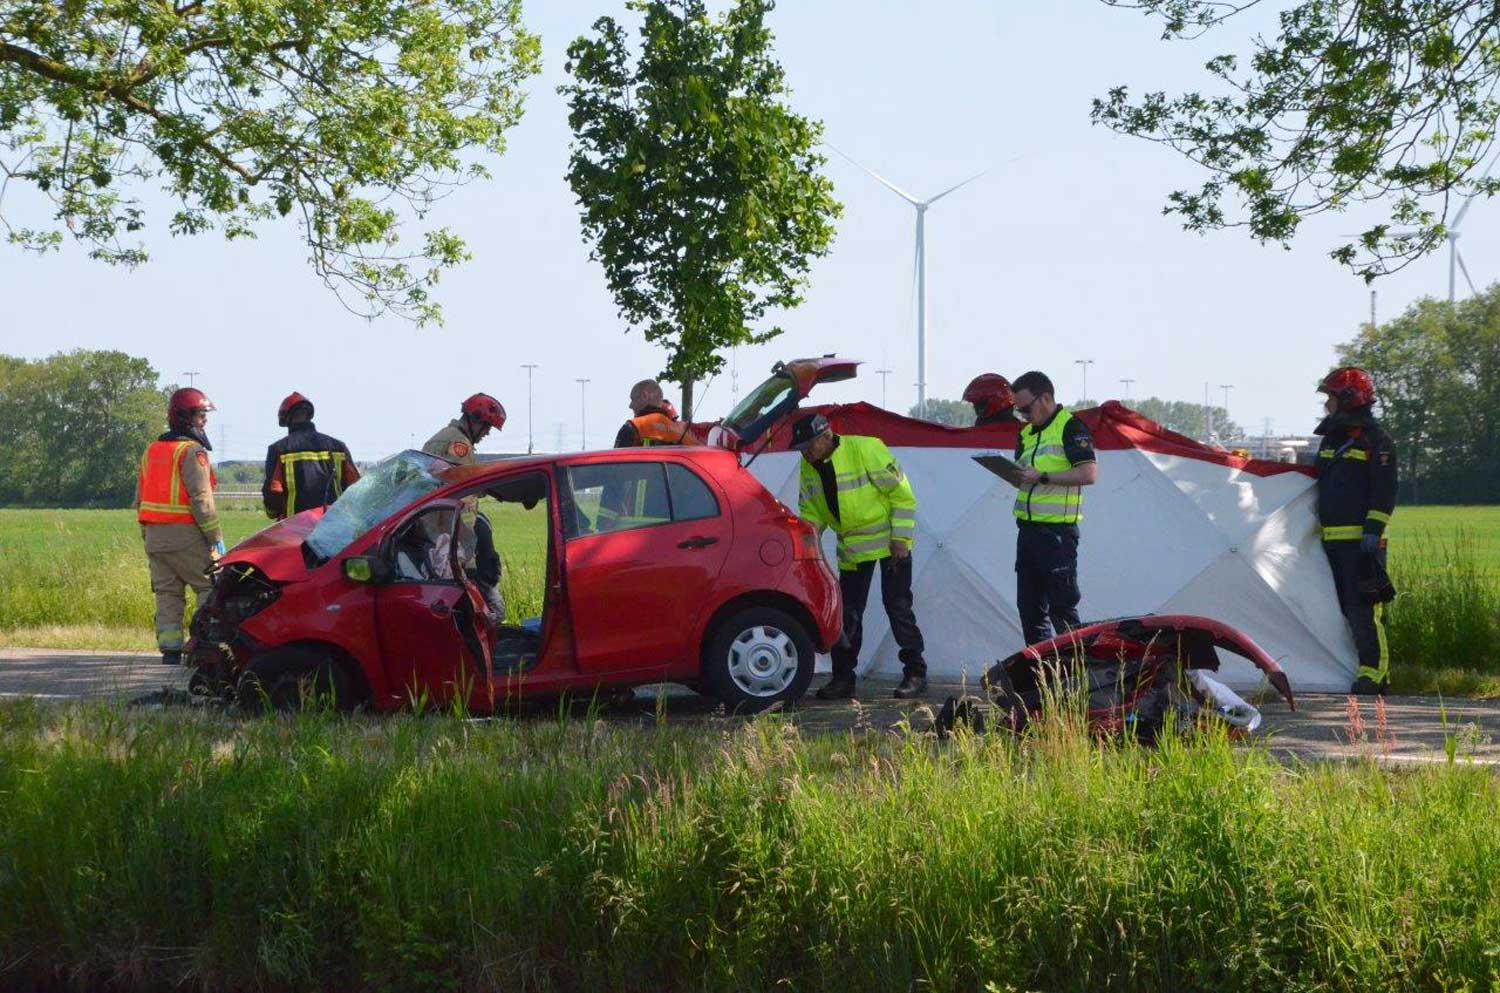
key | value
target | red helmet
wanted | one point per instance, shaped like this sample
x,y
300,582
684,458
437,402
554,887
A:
x,y
485,409
1351,386
291,403
990,394
183,404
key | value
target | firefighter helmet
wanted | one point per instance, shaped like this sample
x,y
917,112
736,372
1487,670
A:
x,y
990,394
1351,387
291,403
485,409
183,404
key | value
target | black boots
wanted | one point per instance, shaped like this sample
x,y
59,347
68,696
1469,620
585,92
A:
x,y
171,658
911,687
837,688
1365,686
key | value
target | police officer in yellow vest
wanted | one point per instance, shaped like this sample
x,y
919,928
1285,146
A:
x,y
174,503
853,484
1056,455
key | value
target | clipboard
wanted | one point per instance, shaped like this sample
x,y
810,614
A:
x,y
1002,467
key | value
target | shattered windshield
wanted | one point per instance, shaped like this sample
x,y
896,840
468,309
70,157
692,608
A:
x,y
378,494
768,396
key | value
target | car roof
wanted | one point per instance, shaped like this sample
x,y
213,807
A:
x,y
712,460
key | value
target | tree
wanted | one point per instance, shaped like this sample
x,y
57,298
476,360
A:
x,y
697,185
336,112
1354,101
1187,418
953,413
75,425
1437,375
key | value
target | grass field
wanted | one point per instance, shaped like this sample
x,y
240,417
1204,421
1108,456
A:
x,y
192,851
77,579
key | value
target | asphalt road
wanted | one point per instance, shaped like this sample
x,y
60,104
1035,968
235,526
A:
x,y
1320,728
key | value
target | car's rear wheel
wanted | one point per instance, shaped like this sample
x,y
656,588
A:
x,y
758,656
287,679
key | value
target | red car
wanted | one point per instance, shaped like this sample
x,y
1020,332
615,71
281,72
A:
x,y
661,565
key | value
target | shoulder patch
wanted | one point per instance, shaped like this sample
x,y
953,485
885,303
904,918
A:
x,y
460,449
203,458
1084,441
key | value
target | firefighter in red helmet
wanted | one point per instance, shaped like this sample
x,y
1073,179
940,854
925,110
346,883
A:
x,y
992,398
306,468
1356,497
476,417
174,503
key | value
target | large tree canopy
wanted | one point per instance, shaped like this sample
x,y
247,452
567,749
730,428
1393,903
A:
x,y
698,185
337,112
1390,102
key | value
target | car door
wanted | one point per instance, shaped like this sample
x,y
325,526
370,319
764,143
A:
x,y
424,614
645,543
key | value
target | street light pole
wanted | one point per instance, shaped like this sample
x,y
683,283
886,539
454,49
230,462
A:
x,y
1085,363
583,418
882,373
1127,383
529,367
192,376
1226,387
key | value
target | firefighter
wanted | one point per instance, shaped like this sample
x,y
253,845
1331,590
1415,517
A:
x,y
1356,496
1056,455
854,485
307,468
992,398
476,417
654,421
174,503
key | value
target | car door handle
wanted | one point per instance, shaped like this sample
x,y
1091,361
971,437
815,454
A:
x,y
440,608
698,541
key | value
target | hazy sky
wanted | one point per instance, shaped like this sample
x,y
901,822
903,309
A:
x,y
1059,253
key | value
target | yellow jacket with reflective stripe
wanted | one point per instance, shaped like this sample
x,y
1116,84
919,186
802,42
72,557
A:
x,y
1043,451
876,502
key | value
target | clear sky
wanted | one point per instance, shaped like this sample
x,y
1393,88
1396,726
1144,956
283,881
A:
x,y
1059,253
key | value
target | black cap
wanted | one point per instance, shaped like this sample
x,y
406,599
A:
x,y
807,428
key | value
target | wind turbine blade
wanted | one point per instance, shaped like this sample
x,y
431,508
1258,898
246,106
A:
x,y
1465,270
932,200
1469,200
877,176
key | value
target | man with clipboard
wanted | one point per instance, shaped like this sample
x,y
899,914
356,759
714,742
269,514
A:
x,y
1054,461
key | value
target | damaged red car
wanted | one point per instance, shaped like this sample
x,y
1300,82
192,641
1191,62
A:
x,y
623,568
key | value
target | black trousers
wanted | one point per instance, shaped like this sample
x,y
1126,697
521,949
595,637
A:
x,y
1046,579
895,594
1366,622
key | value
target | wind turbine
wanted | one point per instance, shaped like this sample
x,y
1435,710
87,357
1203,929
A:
x,y
920,263
1455,257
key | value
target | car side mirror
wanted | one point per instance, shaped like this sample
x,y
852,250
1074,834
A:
x,y
366,569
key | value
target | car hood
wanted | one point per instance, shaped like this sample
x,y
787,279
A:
x,y
277,551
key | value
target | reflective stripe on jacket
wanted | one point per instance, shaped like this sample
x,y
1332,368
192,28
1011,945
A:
x,y
1356,476
162,490
1043,451
876,502
305,469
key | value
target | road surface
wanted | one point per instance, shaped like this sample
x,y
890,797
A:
x,y
1320,728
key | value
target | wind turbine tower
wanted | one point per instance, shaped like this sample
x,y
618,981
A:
x,y
921,266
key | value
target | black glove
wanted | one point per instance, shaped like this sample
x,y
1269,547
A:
x,y
1369,543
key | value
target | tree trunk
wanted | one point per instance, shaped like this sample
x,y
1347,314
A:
x,y
687,400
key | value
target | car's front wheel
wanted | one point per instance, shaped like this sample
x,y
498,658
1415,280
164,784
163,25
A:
x,y
286,679
758,656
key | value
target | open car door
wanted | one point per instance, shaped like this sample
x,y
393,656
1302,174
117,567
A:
x,y
758,414
428,615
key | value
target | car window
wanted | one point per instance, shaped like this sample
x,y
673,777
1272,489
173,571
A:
x,y
616,496
692,500
422,551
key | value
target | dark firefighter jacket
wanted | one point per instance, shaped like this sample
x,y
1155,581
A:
x,y
305,469
1356,476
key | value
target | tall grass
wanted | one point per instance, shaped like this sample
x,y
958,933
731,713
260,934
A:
x,y
1447,612
330,853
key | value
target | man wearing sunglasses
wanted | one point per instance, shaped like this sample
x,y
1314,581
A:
x,y
1056,455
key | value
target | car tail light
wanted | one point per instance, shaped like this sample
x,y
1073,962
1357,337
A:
x,y
805,544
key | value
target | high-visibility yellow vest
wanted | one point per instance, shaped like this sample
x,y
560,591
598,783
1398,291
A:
x,y
876,502
164,495
1043,451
